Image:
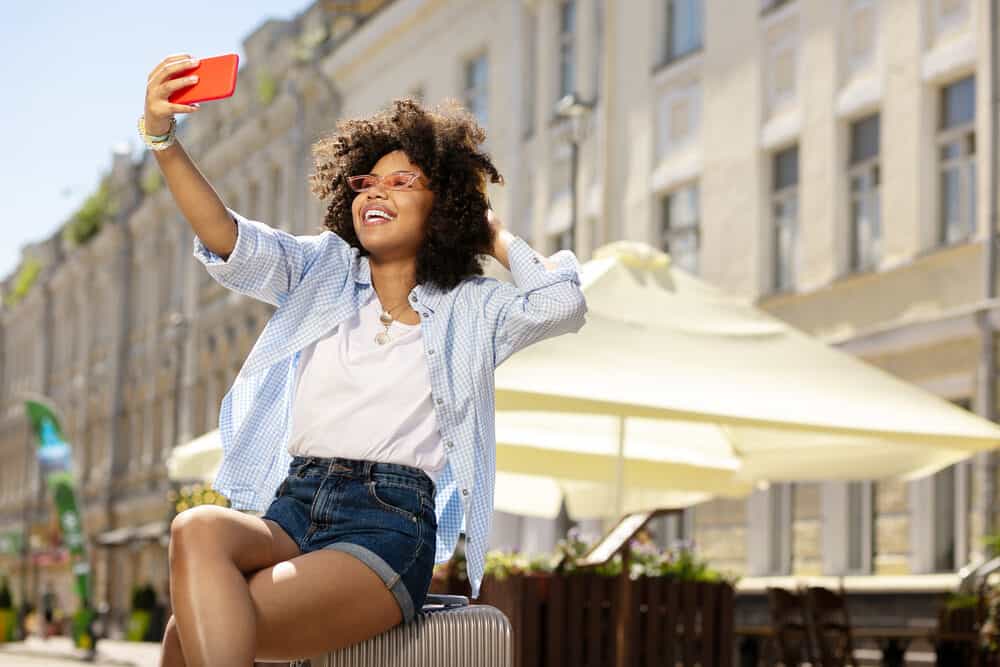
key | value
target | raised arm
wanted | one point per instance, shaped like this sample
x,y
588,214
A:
x,y
198,202
544,301
245,256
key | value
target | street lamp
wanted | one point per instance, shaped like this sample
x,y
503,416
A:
x,y
576,111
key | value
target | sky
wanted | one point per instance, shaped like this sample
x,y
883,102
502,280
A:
x,y
74,78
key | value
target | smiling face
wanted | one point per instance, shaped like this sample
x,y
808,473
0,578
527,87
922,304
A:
x,y
397,231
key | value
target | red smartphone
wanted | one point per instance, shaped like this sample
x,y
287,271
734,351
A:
x,y
216,79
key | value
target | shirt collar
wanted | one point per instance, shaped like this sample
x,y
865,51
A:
x,y
427,294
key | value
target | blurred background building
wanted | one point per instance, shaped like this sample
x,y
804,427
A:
x,y
828,159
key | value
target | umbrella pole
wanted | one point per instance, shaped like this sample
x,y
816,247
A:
x,y
620,472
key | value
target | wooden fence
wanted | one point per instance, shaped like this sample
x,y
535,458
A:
x,y
570,620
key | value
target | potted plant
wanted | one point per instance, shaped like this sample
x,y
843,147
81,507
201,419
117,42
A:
x,y
143,602
8,617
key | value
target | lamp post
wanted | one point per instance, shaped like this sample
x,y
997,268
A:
x,y
576,111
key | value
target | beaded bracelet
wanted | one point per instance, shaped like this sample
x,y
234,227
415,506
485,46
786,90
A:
x,y
158,142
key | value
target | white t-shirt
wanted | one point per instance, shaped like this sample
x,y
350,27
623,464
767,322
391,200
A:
x,y
357,399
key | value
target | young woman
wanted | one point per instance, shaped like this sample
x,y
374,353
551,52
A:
x,y
362,422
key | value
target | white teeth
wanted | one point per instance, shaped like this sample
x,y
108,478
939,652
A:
x,y
376,213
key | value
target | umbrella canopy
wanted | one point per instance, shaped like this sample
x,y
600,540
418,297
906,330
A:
x,y
197,460
685,368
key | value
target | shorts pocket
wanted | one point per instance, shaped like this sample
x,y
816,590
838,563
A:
x,y
403,500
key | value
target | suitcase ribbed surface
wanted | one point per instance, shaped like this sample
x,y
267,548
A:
x,y
473,636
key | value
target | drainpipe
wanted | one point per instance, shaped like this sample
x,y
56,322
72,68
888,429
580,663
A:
x,y
986,462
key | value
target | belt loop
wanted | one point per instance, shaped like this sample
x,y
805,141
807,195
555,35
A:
x,y
368,470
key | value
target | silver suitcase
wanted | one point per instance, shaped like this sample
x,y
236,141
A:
x,y
448,632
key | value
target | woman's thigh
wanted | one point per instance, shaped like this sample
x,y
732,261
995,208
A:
x,y
316,603
250,542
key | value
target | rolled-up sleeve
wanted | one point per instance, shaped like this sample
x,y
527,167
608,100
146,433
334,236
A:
x,y
265,264
541,303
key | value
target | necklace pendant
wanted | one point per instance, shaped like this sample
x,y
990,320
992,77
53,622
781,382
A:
x,y
385,318
382,338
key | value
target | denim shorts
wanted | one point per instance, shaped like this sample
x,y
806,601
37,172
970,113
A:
x,y
381,513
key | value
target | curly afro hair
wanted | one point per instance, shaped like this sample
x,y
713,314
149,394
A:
x,y
445,144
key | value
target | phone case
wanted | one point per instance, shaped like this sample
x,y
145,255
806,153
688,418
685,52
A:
x,y
216,80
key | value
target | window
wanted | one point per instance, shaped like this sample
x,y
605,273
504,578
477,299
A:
x,y
679,234
956,144
476,88
785,211
770,5
567,47
683,28
863,177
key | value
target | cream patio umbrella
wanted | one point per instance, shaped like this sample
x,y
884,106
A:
x,y
196,460
675,367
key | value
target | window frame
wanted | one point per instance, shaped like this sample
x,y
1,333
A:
x,y
964,135
566,45
784,196
668,54
473,91
869,169
666,234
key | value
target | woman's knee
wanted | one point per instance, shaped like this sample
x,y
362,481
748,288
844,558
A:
x,y
196,527
216,533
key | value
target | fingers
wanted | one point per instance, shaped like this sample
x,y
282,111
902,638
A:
x,y
168,69
166,61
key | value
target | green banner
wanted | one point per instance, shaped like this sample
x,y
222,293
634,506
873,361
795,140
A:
x,y
55,457
11,542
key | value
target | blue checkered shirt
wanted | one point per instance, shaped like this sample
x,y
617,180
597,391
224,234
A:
x,y
316,282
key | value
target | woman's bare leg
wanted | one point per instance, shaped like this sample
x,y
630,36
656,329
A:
x,y
212,551
171,654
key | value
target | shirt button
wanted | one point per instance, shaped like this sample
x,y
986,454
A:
x,y
535,260
449,444
440,401
465,492
413,298
425,314
430,351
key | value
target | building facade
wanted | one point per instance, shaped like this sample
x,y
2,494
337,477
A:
x,y
829,160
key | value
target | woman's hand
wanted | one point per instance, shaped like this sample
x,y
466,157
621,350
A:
x,y
496,227
160,85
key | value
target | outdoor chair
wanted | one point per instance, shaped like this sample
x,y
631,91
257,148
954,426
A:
x,y
788,621
831,627
447,632
961,620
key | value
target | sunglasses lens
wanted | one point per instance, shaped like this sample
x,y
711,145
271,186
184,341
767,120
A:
x,y
359,183
396,181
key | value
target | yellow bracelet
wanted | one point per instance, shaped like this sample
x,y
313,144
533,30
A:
x,y
158,142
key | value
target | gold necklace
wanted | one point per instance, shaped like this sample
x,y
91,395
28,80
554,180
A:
x,y
382,337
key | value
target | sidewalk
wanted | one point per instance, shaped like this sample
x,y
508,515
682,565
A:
x,y
109,651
